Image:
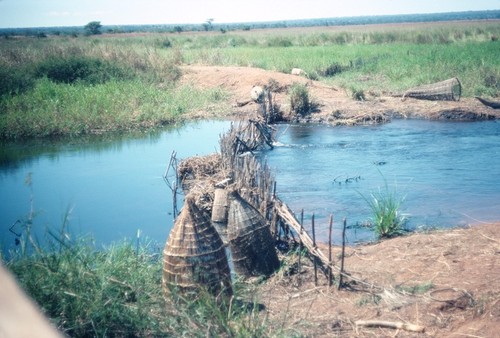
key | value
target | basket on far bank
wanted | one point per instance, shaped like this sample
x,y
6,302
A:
x,y
194,255
448,90
250,239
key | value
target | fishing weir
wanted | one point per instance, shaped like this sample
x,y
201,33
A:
x,y
231,201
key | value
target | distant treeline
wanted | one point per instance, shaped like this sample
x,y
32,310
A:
x,y
209,25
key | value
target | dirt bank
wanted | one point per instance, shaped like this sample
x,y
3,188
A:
x,y
334,104
446,281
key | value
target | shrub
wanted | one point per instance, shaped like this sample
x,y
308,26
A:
x,y
358,94
299,99
332,70
81,69
14,80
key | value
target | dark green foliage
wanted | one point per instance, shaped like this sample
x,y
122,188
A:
x,y
358,94
166,43
80,69
492,81
14,80
93,28
332,70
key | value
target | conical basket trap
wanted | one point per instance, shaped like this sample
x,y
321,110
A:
x,y
250,240
194,255
448,90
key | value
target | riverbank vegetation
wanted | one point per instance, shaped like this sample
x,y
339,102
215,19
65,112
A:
x,y
85,85
116,292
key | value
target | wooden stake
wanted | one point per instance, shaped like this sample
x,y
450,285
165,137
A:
x,y
343,254
330,251
301,245
314,258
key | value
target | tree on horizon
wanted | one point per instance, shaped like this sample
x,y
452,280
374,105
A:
x,y
93,28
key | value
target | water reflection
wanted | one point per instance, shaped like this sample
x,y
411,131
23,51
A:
x,y
113,184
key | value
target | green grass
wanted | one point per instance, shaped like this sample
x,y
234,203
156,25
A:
x,y
116,292
73,86
55,109
61,87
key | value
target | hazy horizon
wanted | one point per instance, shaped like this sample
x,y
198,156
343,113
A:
x,y
62,13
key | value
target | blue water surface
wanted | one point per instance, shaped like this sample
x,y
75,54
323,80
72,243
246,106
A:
x,y
108,187
445,173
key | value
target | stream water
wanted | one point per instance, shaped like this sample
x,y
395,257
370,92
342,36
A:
x,y
444,173
109,187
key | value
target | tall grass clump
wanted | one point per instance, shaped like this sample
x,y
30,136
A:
x,y
385,205
300,103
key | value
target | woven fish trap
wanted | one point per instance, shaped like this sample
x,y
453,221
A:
x,y
194,256
250,240
448,90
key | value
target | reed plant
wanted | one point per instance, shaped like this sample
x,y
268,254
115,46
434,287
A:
x,y
387,219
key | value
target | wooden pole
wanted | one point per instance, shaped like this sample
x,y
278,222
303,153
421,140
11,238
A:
x,y
301,245
343,254
314,258
330,251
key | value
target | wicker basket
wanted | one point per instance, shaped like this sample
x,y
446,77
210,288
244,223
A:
x,y
250,240
448,90
194,255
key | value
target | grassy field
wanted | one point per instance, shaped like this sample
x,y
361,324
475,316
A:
x,y
117,82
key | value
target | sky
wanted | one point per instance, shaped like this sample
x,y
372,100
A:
x,y
51,13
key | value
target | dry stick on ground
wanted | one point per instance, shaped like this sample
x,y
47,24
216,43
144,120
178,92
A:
x,y
391,325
